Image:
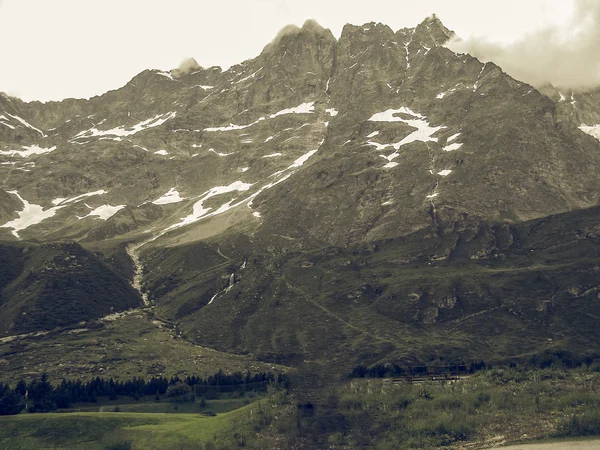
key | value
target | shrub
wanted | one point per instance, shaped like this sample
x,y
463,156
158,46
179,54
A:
x,y
586,424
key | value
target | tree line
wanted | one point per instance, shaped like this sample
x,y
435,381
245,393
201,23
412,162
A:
x,y
40,395
559,358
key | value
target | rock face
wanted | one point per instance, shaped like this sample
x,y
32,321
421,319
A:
x,y
302,165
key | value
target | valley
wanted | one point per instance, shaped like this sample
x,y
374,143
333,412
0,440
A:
x,y
371,200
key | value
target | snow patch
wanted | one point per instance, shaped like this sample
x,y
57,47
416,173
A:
x,y
390,115
79,197
165,74
451,147
377,145
34,214
451,138
593,130
423,133
27,124
170,197
256,214
232,127
272,155
332,112
126,131
30,215
304,108
445,173
161,152
390,165
373,134
28,151
249,76
212,150
104,212
300,161
199,211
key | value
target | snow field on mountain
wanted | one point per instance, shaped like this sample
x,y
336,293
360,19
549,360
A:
x,y
28,151
65,201
212,150
453,137
4,121
304,108
423,133
30,215
452,147
198,209
104,212
24,123
34,214
172,196
126,131
593,130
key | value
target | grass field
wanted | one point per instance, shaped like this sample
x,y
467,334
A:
x,y
103,430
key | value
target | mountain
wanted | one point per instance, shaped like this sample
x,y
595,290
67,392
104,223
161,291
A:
x,y
371,198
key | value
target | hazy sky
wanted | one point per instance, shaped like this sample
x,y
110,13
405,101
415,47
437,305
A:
x,y
52,49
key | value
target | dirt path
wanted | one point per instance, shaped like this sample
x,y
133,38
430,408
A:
x,y
566,445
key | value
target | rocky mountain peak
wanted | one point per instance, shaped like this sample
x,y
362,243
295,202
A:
x,y
434,30
310,32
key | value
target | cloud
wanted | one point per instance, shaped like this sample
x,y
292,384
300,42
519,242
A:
x,y
568,57
186,67
311,26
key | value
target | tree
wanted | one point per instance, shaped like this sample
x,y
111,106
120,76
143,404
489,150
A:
x,y
179,392
11,403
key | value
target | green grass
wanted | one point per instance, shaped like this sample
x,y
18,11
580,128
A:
x,y
98,430
538,404
165,406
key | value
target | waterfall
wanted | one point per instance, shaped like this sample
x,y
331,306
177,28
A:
x,y
138,274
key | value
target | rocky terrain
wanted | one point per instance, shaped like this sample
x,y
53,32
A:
x,y
371,198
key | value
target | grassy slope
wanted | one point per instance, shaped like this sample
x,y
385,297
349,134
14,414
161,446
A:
x,y
469,290
95,430
131,346
43,286
489,409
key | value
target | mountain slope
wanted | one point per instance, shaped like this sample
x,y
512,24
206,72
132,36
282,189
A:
x,y
370,197
43,286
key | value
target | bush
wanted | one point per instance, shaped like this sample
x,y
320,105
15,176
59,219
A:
x,y
178,389
586,424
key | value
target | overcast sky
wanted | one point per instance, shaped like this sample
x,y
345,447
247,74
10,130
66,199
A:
x,y
53,49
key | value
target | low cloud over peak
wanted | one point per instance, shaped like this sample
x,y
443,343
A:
x,y
567,57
